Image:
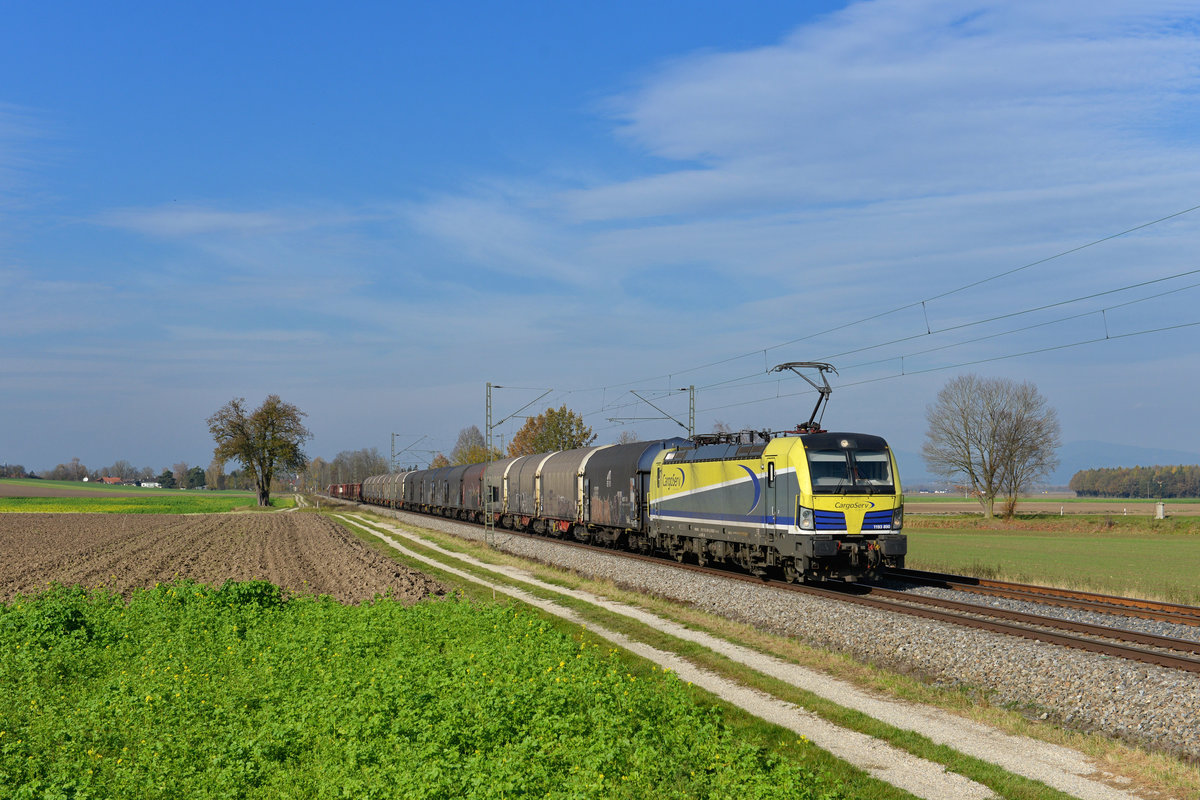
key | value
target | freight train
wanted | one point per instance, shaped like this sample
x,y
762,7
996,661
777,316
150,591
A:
x,y
801,505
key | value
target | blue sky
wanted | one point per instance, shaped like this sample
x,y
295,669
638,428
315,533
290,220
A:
x,y
373,209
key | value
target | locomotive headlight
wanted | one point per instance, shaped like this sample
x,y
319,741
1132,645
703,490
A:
x,y
805,520
898,518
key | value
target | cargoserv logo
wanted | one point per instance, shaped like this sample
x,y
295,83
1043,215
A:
x,y
672,481
854,504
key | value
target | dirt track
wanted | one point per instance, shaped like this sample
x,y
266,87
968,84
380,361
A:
x,y
303,553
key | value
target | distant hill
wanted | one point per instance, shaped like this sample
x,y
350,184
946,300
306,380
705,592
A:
x,y
1072,456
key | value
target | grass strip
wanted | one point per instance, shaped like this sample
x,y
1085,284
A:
x,y
1155,770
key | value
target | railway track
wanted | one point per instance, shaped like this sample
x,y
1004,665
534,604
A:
x,y
1132,645
1046,595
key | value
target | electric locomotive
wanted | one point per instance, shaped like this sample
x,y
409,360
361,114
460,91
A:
x,y
811,505
805,504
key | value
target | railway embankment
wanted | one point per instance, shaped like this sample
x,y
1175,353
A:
x,y
1067,770
1151,707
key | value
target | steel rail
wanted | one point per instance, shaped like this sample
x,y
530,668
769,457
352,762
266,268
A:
x,y
1049,595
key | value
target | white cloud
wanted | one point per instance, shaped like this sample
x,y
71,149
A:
x,y
906,99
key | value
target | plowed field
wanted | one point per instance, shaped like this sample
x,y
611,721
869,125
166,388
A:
x,y
303,553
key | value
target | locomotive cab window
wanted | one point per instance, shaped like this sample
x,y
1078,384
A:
x,y
850,471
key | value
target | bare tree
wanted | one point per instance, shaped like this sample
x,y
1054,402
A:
x,y
1031,446
264,440
627,437
180,471
214,476
471,448
998,435
121,469
74,471
351,466
318,474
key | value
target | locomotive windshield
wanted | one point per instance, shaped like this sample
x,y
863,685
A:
x,y
850,471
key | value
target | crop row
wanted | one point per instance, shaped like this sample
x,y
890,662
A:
x,y
187,690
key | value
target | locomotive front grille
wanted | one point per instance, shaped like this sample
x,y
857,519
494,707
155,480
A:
x,y
829,520
878,520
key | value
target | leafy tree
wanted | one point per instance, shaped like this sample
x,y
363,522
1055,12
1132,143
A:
x,y
263,441
999,435
472,449
196,478
555,429
439,461
1158,481
167,479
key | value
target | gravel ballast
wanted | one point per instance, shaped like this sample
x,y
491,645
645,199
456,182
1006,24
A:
x,y
1149,705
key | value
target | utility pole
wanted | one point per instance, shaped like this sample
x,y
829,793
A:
x,y
691,424
406,449
489,522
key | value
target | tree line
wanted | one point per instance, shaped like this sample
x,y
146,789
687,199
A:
x,y
179,476
1174,481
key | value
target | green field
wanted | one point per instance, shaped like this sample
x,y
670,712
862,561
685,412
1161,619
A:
x,y
1133,559
193,692
195,503
101,498
95,487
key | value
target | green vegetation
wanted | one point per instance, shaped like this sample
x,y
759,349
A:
x,y
1173,481
1145,505
153,503
1167,775
1119,555
189,691
41,486
853,783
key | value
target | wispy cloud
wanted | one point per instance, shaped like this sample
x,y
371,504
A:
x,y
172,222
910,99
